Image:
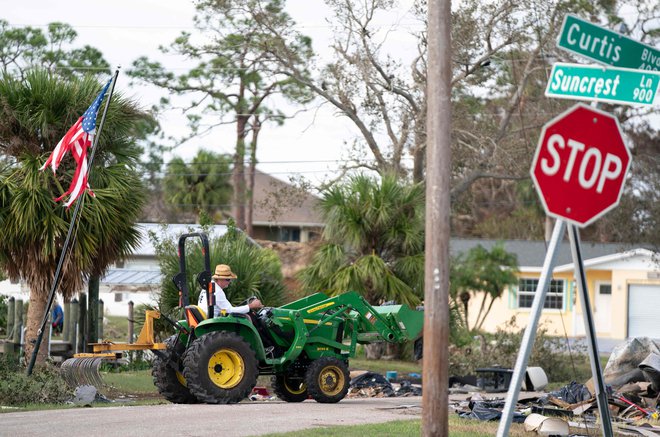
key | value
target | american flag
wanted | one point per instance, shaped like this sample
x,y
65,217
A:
x,y
77,140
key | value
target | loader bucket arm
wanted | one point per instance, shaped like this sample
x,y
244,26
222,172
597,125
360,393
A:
x,y
373,324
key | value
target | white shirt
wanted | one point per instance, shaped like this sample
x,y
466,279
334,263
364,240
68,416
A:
x,y
221,302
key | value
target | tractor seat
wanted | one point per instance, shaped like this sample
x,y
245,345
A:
x,y
194,315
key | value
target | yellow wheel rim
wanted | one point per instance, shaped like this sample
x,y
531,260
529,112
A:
x,y
226,368
293,387
331,380
181,379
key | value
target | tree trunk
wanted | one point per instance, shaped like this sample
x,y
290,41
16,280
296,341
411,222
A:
x,y
256,128
392,351
93,309
374,351
238,173
34,318
481,309
481,322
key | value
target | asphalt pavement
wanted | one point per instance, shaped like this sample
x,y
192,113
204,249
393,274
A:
x,y
197,420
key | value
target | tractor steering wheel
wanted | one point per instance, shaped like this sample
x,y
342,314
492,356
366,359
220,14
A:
x,y
248,300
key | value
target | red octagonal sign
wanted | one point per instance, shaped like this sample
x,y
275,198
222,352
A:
x,y
580,165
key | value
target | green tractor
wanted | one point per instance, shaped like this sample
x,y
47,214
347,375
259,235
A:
x,y
305,345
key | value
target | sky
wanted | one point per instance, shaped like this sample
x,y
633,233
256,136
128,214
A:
x,y
308,145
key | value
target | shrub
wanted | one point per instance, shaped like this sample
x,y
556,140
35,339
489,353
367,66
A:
x,y
560,363
45,385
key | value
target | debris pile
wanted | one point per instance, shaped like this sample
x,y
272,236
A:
x,y
372,384
632,377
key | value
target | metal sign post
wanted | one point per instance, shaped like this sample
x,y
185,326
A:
x,y
590,330
530,331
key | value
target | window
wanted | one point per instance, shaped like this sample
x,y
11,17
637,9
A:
x,y
289,234
554,299
119,297
605,288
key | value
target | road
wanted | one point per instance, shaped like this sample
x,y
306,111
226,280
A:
x,y
243,419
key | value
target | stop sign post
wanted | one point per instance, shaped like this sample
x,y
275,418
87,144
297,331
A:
x,y
578,169
580,165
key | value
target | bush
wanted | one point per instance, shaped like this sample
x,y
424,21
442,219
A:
x,y
502,348
45,385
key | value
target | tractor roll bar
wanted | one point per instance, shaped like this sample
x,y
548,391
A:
x,y
203,278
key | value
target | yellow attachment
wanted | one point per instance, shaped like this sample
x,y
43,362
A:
x,y
144,341
226,368
109,356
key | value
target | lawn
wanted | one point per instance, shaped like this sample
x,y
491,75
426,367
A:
x,y
458,427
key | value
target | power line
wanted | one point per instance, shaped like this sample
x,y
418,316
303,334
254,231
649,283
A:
x,y
320,161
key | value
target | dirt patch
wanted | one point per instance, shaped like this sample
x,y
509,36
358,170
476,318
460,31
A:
x,y
294,256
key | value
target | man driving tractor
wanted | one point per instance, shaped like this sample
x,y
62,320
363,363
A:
x,y
221,279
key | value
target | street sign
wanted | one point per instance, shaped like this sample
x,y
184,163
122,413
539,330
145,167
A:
x,y
617,85
580,165
606,46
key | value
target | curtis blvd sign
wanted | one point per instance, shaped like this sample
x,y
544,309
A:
x,y
618,85
606,46
580,164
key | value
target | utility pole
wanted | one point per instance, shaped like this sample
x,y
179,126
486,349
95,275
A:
x,y
436,270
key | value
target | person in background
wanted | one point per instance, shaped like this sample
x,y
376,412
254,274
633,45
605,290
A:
x,y
58,319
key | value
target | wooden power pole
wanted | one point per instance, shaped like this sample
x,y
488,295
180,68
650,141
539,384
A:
x,y
436,277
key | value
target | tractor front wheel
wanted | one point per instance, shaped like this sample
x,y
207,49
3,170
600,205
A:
x,y
327,380
167,376
289,388
220,368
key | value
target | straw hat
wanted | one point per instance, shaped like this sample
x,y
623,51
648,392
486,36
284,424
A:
x,y
222,271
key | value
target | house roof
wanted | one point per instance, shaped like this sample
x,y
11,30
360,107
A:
x,y
132,277
635,259
279,203
276,203
531,254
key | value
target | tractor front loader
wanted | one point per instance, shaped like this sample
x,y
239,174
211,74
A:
x,y
304,345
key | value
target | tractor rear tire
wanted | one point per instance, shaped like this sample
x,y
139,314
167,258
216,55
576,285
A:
x,y
167,376
289,388
220,368
327,380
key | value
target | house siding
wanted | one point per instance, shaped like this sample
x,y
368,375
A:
x,y
570,321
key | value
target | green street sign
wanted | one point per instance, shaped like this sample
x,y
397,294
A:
x,y
606,46
603,84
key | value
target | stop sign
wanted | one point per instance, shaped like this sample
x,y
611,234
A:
x,y
580,165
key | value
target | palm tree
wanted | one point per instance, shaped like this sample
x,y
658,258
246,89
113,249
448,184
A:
x,y
482,272
35,113
202,185
373,241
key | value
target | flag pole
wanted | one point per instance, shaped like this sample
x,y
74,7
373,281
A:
x,y
60,264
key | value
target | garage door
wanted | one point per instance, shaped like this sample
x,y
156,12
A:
x,y
643,311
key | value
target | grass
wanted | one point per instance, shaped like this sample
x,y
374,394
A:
x,y
134,382
458,427
382,366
